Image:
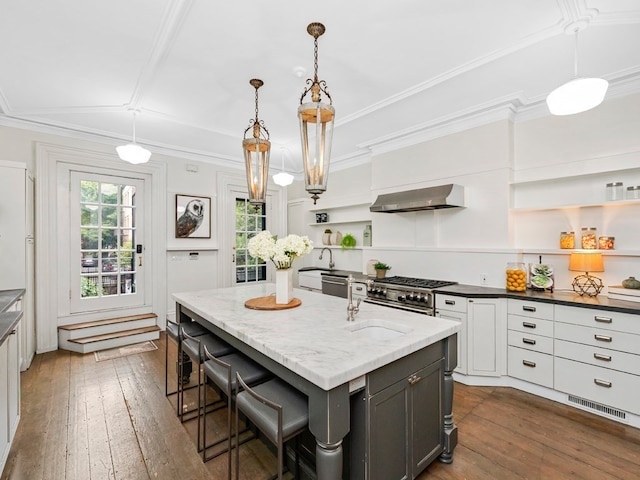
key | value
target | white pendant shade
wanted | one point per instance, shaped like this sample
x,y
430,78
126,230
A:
x,y
133,153
576,96
283,179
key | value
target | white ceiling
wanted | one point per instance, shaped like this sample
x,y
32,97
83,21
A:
x,y
397,71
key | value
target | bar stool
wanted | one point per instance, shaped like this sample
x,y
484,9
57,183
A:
x,y
222,372
173,332
193,347
278,410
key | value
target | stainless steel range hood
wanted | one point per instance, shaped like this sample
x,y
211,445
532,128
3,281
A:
x,y
429,198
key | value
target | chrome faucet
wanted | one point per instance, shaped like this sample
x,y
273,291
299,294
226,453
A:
x,y
331,264
351,308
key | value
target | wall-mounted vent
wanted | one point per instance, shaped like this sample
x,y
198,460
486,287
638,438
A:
x,y
614,412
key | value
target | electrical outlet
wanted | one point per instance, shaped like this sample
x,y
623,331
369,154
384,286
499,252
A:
x,y
483,278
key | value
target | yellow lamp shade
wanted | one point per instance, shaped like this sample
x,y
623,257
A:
x,y
586,262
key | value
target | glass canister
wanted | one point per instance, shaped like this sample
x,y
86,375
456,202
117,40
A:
x,y
614,191
589,238
567,240
516,276
606,243
633,193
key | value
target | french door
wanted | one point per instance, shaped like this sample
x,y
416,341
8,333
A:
x,y
106,242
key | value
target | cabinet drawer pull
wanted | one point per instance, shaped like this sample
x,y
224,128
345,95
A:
x,y
450,302
413,379
528,325
603,319
599,356
13,332
528,363
527,308
602,338
602,383
528,341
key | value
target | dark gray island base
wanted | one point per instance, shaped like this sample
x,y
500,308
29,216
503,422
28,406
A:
x,y
388,422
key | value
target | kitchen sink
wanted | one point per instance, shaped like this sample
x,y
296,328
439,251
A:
x,y
376,329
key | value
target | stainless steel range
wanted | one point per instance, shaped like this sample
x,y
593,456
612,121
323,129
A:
x,y
405,293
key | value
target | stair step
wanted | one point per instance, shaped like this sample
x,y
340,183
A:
x,y
110,336
110,321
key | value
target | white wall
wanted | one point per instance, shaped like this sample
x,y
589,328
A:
x,y
544,162
182,273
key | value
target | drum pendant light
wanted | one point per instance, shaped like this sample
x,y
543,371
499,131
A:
x,y
316,126
579,94
256,150
132,152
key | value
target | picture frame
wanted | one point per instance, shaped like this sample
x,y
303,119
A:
x,y
192,216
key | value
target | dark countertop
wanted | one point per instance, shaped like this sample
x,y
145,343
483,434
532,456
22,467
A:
x,y
8,298
601,302
8,320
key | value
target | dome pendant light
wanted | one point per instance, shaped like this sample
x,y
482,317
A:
x,y
316,126
256,154
577,95
283,178
132,152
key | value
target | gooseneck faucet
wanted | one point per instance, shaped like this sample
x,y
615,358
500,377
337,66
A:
x,y
331,264
351,308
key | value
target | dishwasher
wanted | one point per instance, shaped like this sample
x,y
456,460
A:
x,y
337,286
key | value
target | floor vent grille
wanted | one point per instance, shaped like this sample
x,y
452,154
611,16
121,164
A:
x,y
598,406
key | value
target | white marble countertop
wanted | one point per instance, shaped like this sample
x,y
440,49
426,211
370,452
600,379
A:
x,y
315,340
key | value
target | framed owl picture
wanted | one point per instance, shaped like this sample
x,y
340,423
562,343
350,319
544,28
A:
x,y
193,216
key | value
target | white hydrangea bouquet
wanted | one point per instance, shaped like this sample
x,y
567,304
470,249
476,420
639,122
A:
x,y
281,251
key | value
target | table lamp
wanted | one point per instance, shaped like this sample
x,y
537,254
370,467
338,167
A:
x,y
582,261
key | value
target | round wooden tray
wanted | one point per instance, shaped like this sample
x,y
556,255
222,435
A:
x,y
269,303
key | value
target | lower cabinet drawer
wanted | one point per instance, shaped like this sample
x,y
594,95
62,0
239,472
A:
x,y
612,340
536,343
534,367
600,357
601,385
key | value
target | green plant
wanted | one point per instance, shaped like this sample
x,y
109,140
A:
x,y
348,241
381,266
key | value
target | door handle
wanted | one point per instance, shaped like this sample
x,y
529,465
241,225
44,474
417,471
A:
x,y
139,261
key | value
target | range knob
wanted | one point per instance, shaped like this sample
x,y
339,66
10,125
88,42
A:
x,y
401,298
423,298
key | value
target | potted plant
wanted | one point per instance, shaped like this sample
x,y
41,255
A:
x,y
381,269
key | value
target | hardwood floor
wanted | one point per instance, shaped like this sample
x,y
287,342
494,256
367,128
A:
x,y
83,419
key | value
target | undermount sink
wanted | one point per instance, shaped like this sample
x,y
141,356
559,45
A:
x,y
376,329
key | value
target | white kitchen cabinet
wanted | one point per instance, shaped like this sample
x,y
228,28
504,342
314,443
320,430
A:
x,y
597,357
530,339
9,393
17,246
452,307
486,337
482,338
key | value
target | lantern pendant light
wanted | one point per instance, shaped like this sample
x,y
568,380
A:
x,y
256,150
316,126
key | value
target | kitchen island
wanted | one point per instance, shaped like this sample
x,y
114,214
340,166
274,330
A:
x,y
332,361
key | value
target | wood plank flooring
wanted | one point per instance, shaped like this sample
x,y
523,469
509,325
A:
x,y
88,420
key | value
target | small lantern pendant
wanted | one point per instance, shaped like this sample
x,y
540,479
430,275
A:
x,y
256,154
